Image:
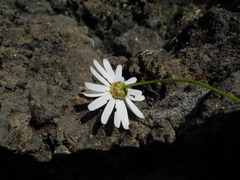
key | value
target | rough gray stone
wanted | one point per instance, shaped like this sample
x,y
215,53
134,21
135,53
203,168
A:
x,y
188,132
136,40
5,136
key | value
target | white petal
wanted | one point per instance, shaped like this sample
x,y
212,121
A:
x,y
119,73
134,108
131,80
102,71
109,69
93,93
125,120
134,91
99,102
99,77
117,115
116,119
137,98
96,87
107,111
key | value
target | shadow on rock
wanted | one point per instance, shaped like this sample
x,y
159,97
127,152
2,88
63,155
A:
x,y
209,151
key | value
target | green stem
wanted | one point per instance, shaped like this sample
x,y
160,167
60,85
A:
x,y
183,80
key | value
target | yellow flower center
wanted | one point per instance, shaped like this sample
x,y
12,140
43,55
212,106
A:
x,y
117,92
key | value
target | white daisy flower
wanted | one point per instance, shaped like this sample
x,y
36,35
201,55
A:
x,y
110,92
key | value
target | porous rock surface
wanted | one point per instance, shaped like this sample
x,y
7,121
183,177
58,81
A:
x,y
46,130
